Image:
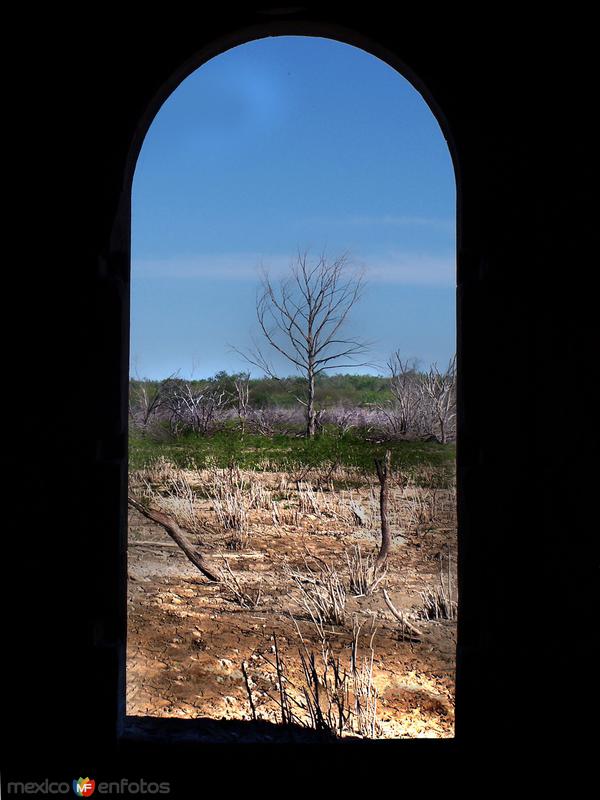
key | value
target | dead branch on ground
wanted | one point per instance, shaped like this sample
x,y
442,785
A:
x,y
175,532
406,625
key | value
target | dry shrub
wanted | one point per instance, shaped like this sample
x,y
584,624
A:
x,y
321,504
282,515
177,498
420,507
326,691
260,496
364,577
241,593
307,500
330,697
226,491
321,592
365,693
159,472
439,602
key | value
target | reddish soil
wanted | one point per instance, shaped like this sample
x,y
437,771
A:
x,y
187,638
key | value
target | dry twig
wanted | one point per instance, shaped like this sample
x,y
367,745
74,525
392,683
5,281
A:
x,y
413,631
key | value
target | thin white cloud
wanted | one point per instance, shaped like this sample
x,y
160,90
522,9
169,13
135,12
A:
x,y
220,266
389,220
417,269
414,269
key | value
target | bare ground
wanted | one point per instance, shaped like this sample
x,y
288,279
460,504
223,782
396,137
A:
x,y
187,638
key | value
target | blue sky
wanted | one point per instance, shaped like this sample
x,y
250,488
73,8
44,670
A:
x,y
281,144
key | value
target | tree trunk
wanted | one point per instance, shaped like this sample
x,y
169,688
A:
x,y
310,407
175,532
384,469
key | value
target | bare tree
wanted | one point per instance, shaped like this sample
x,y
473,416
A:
x,y
146,399
406,391
267,420
342,417
303,320
242,390
194,405
439,388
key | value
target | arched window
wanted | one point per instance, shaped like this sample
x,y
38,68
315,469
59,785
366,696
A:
x,y
323,166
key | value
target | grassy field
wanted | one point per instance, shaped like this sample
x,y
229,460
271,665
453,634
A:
x,y
286,453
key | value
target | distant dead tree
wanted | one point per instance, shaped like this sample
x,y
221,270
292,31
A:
x,y
242,390
343,418
405,386
146,399
194,405
303,319
439,389
266,421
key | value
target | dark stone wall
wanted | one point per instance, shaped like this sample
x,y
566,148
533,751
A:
x,y
512,93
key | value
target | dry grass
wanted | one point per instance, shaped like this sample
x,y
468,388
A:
x,y
329,697
175,497
282,514
364,578
239,499
365,694
259,496
307,500
241,593
419,508
439,602
158,473
227,492
321,592
317,502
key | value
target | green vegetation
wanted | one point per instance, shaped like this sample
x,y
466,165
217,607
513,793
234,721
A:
x,y
280,445
331,390
285,453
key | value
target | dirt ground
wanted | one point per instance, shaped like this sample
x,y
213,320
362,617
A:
x,y
187,637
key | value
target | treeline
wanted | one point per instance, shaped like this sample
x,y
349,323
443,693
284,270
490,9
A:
x,y
331,390
407,403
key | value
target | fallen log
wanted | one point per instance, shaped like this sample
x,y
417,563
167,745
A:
x,y
400,617
175,532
